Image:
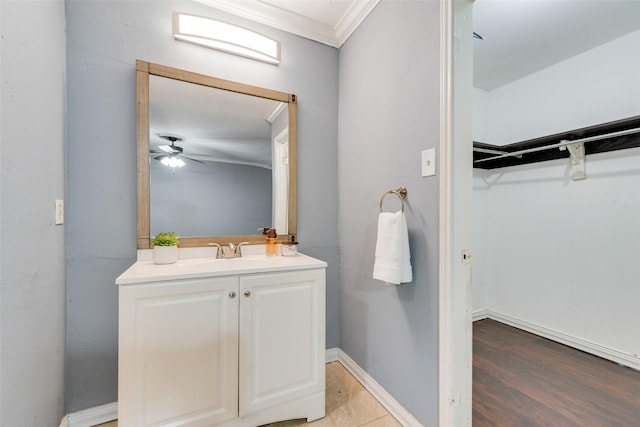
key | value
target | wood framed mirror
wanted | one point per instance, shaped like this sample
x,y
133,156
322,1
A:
x,y
239,170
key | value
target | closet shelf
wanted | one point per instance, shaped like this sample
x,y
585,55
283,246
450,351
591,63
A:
x,y
483,151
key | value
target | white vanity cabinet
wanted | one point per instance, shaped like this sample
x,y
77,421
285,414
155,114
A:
x,y
282,353
225,350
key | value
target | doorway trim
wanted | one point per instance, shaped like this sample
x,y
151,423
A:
x,y
455,160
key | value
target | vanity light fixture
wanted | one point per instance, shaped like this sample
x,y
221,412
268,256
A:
x,y
225,37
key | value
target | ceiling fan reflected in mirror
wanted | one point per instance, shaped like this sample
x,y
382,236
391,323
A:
x,y
172,155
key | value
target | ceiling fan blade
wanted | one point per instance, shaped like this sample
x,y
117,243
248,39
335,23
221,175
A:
x,y
170,149
189,158
217,159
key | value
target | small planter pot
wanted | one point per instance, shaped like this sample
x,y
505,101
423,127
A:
x,y
165,254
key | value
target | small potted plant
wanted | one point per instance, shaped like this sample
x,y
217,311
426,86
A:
x,y
165,248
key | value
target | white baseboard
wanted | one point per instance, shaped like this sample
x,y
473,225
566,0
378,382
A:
x,y
396,409
331,355
569,340
109,412
91,416
479,315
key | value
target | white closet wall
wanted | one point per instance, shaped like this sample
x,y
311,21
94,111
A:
x,y
557,256
600,85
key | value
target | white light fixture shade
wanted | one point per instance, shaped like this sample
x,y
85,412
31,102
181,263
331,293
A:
x,y
225,37
172,162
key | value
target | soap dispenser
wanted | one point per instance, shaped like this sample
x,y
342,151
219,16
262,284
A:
x,y
272,241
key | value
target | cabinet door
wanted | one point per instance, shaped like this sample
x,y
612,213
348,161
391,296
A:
x,y
178,353
282,338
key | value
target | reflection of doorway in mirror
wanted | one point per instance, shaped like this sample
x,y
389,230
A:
x,y
281,181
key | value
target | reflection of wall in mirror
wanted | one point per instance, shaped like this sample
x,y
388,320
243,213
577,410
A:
x,y
280,177
238,199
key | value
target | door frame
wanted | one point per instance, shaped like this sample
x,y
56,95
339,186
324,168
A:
x,y
455,202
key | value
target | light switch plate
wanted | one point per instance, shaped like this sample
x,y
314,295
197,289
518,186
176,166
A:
x,y
429,162
59,212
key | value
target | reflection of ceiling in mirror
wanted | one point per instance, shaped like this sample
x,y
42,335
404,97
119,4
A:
x,y
216,125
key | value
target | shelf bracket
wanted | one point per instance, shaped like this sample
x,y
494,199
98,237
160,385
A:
x,y
576,151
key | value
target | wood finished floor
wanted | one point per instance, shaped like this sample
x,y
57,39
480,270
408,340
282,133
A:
x,y
347,402
520,379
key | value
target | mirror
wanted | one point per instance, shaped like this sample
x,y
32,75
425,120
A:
x,y
235,145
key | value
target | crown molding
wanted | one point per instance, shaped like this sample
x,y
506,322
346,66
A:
x,y
299,25
275,112
351,20
277,18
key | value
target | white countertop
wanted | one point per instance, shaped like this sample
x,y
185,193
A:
x,y
189,268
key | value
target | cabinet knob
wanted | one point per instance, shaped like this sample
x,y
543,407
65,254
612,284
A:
x,y
232,294
247,294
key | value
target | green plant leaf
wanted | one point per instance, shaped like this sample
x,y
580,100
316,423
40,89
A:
x,y
166,239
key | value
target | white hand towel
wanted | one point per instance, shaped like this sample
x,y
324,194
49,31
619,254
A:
x,y
392,261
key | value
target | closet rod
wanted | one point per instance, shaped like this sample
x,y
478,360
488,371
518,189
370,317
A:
x,y
490,151
562,143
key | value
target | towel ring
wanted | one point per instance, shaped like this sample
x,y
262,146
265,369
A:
x,y
401,192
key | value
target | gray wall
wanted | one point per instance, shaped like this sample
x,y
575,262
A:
x,y
389,113
104,38
32,289
237,202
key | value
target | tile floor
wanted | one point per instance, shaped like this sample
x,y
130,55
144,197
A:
x,y
348,404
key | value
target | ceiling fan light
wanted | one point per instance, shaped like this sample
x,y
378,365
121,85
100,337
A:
x,y
173,162
225,37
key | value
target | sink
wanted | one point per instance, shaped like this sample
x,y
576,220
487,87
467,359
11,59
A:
x,y
241,262
192,262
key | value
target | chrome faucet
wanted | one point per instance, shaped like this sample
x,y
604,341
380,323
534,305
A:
x,y
233,250
218,250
